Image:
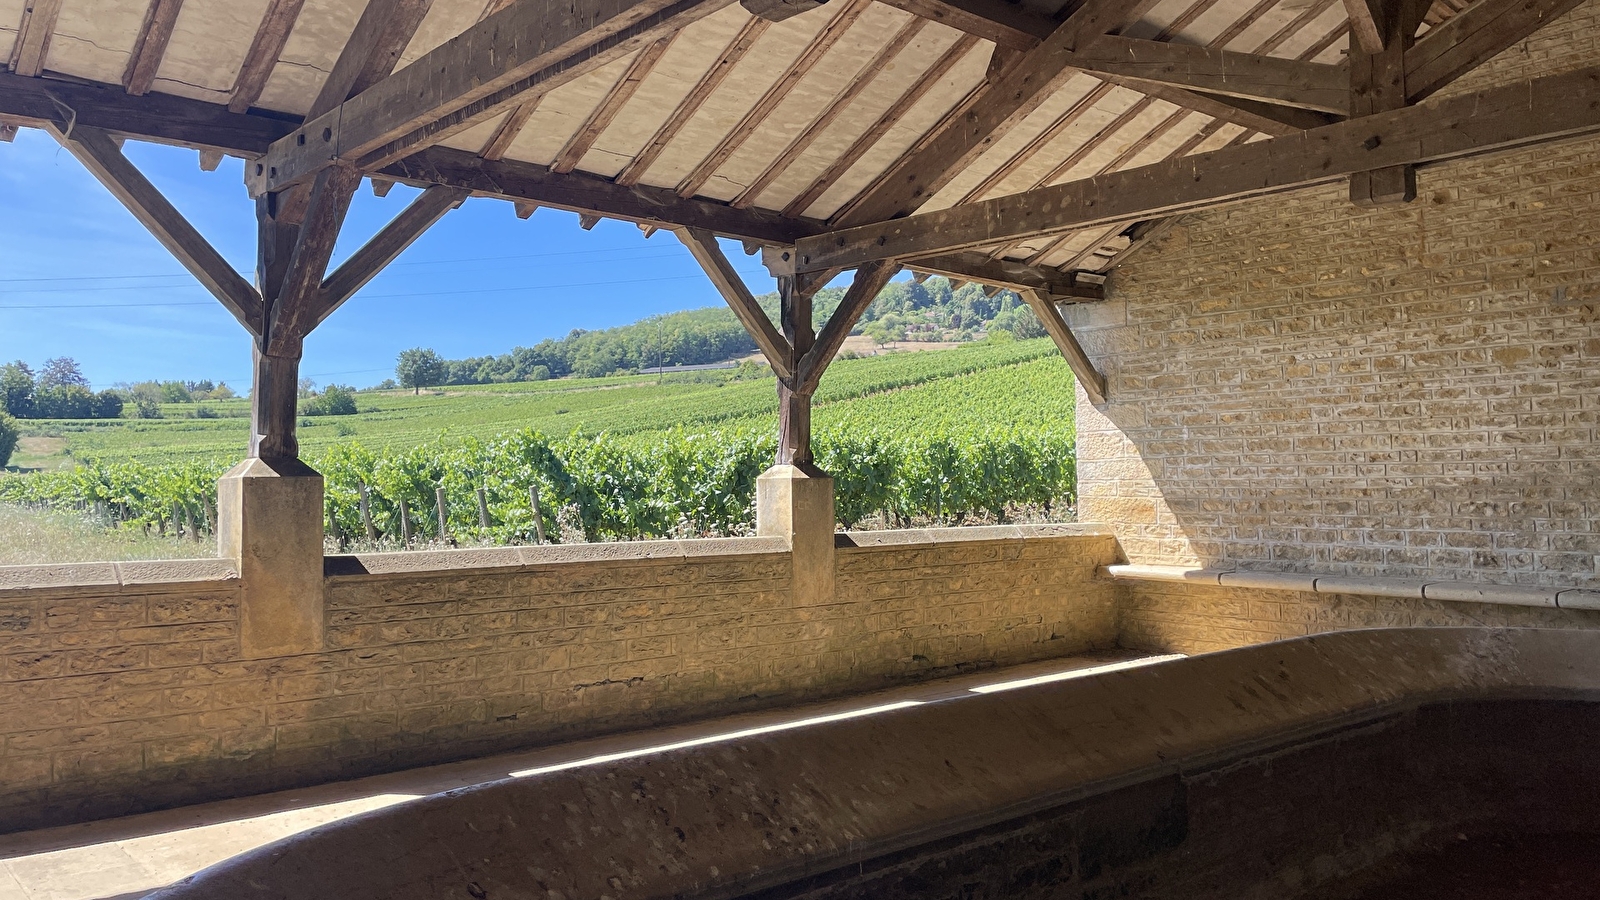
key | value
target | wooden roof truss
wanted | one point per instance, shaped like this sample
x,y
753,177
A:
x,y
976,139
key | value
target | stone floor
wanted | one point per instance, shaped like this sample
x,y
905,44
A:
x,y
120,859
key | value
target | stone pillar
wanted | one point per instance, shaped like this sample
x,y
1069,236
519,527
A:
x,y
795,502
269,521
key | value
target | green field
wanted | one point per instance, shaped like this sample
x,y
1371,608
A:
x,y
1021,383
982,432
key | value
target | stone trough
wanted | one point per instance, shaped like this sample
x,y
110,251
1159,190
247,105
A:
x,y
1279,770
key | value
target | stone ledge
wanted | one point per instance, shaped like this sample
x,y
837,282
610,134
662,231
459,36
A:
x,y
1404,588
482,559
113,577
927,538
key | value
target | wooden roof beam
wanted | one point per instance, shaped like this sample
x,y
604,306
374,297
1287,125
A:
x,y
1049,315
583,193
1001,105
474,77
775,93
1472,38
1498,118
262,57
1007,25
583,139
1267,79
774,346
970,265
99,153
151,46
691,103
32,43
385,247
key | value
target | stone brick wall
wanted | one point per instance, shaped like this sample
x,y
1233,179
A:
x,y
1192,618
122,686
1298,384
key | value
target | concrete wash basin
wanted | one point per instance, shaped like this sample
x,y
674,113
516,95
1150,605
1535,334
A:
x,y
1305,768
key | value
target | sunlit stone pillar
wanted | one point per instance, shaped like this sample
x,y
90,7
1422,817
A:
x,y
795,502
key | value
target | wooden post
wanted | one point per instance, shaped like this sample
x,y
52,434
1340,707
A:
x,y
333,529
366,515
538,513
443,513
405,525
794,400
1378,84
194,531
483,509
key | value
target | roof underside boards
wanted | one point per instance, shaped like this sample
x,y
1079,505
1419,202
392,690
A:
x,y
780,127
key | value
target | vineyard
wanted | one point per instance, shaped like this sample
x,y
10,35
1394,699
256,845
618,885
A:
x,y
929,437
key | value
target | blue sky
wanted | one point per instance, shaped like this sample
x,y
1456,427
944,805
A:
x,y
80,277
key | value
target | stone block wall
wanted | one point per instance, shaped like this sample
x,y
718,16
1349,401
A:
x,y
1194,618
1298,384
123,689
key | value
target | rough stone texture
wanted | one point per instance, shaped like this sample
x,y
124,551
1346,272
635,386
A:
x,y
117,697
1171,617
269,523
1301,385
795,504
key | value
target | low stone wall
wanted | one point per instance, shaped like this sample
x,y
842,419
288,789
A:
x,y
122,687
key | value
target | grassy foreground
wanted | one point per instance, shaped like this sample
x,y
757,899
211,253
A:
x,y
38,536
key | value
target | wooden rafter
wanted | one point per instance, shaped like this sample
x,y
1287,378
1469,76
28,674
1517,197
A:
x,y
265,49
862,80
384,247
373,50
1001,106
1367,28
1008,274
1094,384
1007,25
1040,141
1472,38
685,110
775,93
32,44
100,155
150,46
474,77
882,125
583,139
1493,119
504,136
774,346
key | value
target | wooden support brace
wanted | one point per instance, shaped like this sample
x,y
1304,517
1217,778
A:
x,y
703,245
869,281
1378,84
363,265
1094,384
100,155
291,315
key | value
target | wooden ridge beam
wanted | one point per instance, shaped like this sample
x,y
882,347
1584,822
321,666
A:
x,y
581,192
1094,384
363,265
774,346
32,43
1498,118
99,153
475,76
775,93
583,139
1472,38
262,57
1000,106
1267,79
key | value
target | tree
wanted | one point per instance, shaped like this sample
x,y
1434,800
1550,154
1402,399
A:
x,y
8,438
221,392
16,390
175,392
62,371
418,368
334,401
